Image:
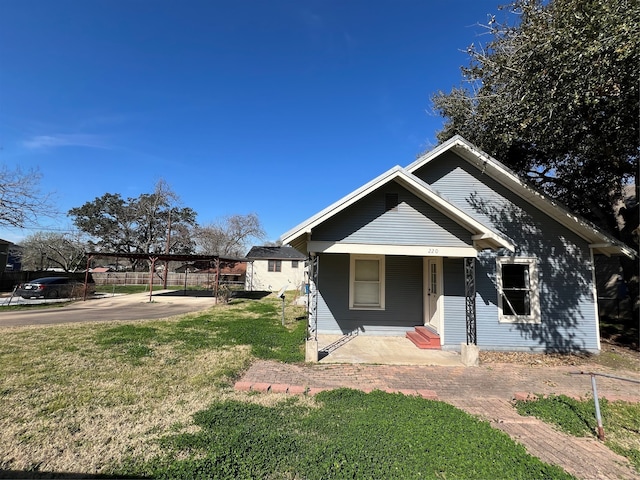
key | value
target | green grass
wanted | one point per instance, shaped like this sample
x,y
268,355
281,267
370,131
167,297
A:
x,y
349,434
255,324
34,306
155,398
621,421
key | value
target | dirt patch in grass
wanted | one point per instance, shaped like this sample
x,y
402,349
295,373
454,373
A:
x,y
612,355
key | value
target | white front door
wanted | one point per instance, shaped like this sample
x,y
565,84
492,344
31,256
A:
x,y
432,291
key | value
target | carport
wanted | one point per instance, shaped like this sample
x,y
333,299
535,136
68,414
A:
x,y
213,261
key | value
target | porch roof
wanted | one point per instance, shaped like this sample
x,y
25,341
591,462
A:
x,y
481,235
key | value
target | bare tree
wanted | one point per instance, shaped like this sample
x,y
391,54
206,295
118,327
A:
x,y
21,201
52,249
229,236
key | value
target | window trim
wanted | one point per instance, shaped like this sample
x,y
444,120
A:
x,y
294,263
534,291
381,281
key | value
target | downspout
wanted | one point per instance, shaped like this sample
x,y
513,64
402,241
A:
x,y
594,291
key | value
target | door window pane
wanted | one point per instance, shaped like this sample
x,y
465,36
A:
x,y
434,279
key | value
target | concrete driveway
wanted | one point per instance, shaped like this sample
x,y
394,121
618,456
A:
x,y
164,303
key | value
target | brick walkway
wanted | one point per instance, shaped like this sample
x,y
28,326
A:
x,y
485,391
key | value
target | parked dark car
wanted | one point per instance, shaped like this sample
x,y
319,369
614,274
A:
x,y
53,287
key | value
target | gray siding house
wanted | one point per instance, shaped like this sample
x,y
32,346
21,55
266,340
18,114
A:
x,y
457,243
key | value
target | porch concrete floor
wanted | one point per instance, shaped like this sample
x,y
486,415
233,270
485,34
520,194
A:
x,y
384,350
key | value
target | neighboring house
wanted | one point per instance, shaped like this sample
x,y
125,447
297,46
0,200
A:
x,y
14,258
4,254
458,243
271,268
101,269
231,272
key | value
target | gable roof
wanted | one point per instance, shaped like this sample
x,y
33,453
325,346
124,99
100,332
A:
x,y
598,240
483,236
274,253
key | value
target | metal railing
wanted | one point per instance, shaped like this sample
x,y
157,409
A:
x,y
596,401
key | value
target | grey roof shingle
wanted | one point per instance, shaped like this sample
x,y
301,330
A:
x,y
275,253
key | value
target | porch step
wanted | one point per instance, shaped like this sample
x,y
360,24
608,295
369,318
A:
x,y
425,338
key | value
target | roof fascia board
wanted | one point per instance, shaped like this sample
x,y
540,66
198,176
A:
x,y
431,154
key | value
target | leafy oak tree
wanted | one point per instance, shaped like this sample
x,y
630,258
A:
x,y
554,95
150,223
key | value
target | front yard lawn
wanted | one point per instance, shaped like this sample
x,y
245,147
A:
x,y
155,398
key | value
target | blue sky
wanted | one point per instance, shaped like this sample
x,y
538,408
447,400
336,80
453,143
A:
x,y
276,107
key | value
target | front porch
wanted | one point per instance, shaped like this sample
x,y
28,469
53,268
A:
x,y
382,350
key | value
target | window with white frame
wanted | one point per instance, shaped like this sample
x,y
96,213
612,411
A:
x,y
366,286
518,296
294,263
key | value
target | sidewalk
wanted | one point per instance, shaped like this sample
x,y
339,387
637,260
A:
x,y
484,391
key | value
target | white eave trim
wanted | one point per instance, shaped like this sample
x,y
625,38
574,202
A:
x,y
375,249
609,249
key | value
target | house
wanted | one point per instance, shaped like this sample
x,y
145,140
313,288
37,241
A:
x,y
4,254
232,272
14,258
458,246
272,268
106,269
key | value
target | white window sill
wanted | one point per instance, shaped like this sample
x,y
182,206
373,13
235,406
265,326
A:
x,y
532,321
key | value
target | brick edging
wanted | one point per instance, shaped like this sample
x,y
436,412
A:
x,y
311,391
